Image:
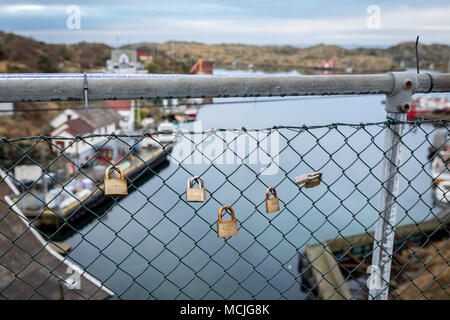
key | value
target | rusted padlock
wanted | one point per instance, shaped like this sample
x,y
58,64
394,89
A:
x,y
310,180
227,228
196,194
116,187
272,204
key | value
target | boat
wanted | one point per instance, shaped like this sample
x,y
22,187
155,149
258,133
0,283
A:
x,y
329,64
59,198
191,112
166,131
164,136
439,170
428,108
441,193
75,197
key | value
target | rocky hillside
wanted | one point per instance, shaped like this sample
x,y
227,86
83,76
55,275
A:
x,y
433,57
21,54
276,58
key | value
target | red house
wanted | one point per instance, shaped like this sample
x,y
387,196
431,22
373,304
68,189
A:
x,y
144,53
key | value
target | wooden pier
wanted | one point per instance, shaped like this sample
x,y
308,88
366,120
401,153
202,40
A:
x,y
326,270
141,170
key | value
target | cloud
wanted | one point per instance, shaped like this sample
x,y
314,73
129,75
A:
x,y
22,8
399,23
25,10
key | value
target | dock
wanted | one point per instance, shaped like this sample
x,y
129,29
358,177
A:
x,y
31,269
60,247
324,268
135,172
433,116
327,274
138,172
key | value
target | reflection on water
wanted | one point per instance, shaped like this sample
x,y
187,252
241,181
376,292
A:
x,y
154,245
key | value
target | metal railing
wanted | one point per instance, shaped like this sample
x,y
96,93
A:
x,y
398,88
70,87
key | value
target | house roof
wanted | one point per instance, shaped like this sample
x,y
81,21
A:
x,y
78,126
119,104
97,118
143,48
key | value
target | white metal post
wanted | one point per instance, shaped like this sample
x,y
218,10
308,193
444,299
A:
x,y
131,116
397,104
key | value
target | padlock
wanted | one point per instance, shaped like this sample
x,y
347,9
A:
x,y
272,204
116,187
227,228
446,158
196,194
310,180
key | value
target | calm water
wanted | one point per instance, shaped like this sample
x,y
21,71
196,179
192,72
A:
x,y
152,243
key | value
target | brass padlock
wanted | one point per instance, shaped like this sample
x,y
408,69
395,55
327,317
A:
x,y
310,180
446,158
272,204
227,228
196,194
116,187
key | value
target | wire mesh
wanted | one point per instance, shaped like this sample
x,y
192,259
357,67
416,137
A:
x,y
153,244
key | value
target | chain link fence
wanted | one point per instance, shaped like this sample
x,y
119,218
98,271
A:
x,y
154,244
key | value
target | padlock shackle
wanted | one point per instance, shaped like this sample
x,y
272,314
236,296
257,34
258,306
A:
x,y
269,190
233,218
316,174
306,178
116,169
200,182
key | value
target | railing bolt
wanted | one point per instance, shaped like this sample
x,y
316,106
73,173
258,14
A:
x,y
408,84
404,107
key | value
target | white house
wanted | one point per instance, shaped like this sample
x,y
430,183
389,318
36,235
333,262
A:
x,y
6,109
72,123
124,61
126,110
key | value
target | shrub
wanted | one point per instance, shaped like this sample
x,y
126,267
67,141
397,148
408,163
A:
x,y
45,65
154,67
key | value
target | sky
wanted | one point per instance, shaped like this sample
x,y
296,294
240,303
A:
x,y
280,22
